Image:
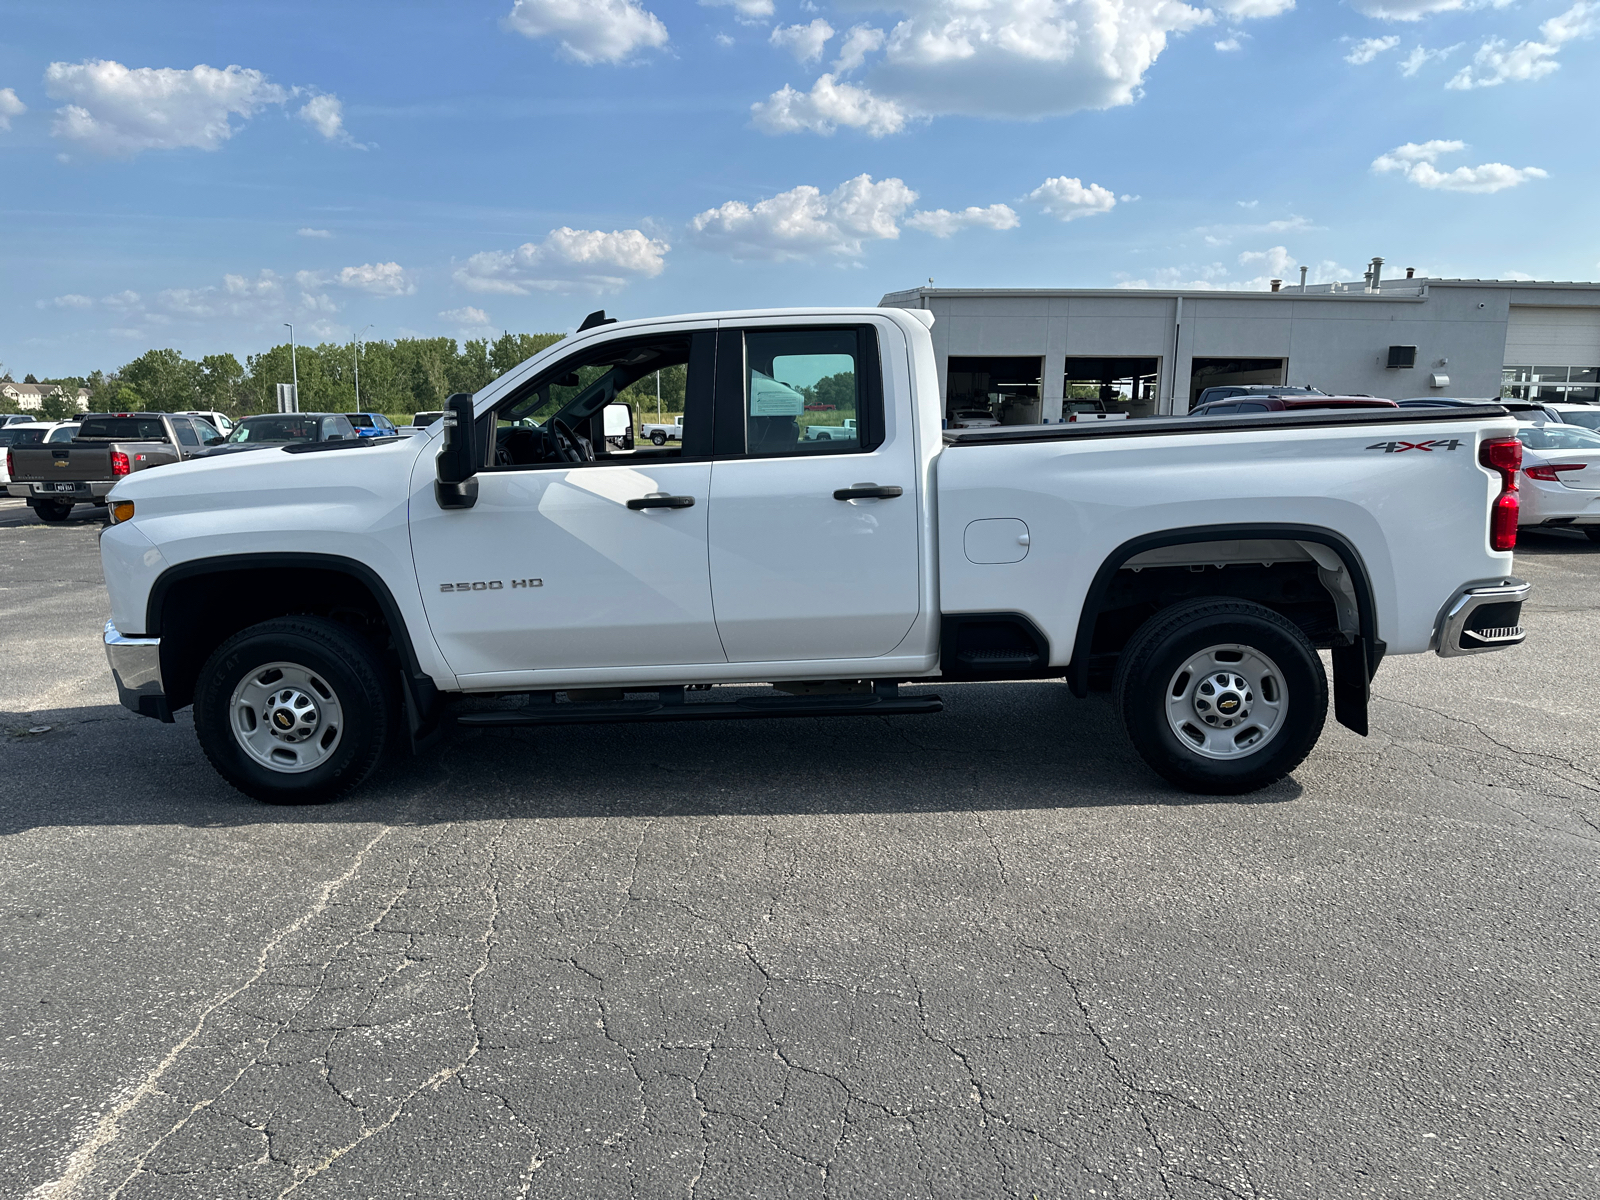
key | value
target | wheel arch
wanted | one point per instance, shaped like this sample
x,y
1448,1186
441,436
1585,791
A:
x,y
1353,664
186,610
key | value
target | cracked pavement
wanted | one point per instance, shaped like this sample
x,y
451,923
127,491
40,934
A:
x,y
980,954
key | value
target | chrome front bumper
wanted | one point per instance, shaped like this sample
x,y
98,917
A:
x,y
1482,617
136,666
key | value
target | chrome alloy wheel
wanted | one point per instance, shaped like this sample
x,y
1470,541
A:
x,y
286,717
1226,702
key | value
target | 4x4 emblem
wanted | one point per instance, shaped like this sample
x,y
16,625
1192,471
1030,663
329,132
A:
x,y
1402,447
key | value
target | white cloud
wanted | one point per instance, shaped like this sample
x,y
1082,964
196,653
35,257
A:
x,y
1368,49
802,222
568,260
10,107
1277,260
1494,64
590,31
861,41
805,42
1247,203
1068,198
1416,162
748,10
1227,44
378,279
468,321
942,223
1275,263
723,40
71,300
314,233
828,105
1416,10
325,113
1421,56
1221,235
119,112
1247,9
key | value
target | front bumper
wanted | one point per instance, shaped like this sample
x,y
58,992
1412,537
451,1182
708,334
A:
x,y
136,666
1481,617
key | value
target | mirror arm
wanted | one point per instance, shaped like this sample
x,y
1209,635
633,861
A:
x,y
456,484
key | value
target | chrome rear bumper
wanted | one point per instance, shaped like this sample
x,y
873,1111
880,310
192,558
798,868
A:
x,y
136,666
1482,617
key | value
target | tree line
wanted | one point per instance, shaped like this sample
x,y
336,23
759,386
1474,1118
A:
x,y
398,377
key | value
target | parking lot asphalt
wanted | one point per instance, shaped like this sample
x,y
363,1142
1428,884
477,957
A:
x,y
986,953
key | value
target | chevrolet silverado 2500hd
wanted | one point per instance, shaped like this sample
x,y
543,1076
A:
x,y
321,602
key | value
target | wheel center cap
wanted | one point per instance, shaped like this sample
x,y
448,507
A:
x,y
291,715
1228,704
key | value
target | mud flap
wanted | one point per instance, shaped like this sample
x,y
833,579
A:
x,y
1353,668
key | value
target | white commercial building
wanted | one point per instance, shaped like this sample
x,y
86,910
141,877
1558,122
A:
x,y
1024,352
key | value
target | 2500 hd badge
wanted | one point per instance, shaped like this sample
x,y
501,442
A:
x,y
492,585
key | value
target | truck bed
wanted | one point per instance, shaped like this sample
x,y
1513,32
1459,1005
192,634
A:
x,y
1253,422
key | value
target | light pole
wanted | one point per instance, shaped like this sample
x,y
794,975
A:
x,y
294,368
356,354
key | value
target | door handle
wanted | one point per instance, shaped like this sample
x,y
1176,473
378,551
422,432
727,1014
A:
x,y
868,491
661,500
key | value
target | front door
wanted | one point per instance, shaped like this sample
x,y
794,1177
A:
x,y
814,529
552,569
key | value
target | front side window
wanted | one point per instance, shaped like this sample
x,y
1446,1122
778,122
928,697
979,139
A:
x,y
805,390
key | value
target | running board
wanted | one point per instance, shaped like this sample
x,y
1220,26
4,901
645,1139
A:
x,y
750,708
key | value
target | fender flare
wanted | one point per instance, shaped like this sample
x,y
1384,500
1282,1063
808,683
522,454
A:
x,y
418,689
1353,665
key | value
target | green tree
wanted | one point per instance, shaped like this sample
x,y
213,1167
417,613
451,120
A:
x,y
60,404
166,380
221,379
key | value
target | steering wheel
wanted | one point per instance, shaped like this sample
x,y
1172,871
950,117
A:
x,y
567,446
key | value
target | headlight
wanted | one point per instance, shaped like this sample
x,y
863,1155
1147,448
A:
x,y
121,510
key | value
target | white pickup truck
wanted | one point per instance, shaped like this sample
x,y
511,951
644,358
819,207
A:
x,y
324,603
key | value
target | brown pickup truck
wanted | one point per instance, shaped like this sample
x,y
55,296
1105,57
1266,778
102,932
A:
x,y
108,446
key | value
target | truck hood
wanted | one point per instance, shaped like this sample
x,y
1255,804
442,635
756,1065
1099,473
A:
x,y
238,480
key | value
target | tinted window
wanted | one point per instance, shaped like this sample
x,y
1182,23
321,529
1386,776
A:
x,y
803,391
1251,406
361,420
64,433
283,427
185,431
1218,410
124,429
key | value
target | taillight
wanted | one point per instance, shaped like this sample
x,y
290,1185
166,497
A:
x,y
1503,455
10,470
1548,472
119,463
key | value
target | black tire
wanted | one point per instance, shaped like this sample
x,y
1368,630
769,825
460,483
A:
x,y
659,438
53,511
1592,532
344,663
1150,666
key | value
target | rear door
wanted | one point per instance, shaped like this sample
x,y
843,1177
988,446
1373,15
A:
x,y
814,544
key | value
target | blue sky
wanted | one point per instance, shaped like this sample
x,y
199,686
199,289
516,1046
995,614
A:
x,y
193,175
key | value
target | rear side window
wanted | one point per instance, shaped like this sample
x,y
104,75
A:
x,y
1218,410
1251,406
123,429
185,431
800,391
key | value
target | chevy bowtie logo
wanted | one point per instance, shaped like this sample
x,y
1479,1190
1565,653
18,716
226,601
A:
x,y
1402,447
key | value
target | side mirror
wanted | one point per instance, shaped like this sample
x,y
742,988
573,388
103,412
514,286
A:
x,y
457,465
215,441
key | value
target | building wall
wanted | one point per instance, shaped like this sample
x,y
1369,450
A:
x,y
1336,341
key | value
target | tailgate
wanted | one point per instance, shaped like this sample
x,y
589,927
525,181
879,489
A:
x,y
66,463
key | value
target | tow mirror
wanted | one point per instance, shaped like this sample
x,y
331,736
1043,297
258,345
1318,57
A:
x,y
457,479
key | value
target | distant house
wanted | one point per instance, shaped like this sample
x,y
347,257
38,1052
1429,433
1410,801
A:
x,y
30,396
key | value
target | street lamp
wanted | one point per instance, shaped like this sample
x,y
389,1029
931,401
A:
x,y
355,353
293,367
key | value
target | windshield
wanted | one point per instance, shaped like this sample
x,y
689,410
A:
x,y
1559,437
1589,419
287,427
361,420
426,418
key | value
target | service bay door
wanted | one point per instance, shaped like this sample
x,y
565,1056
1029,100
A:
x,y
813,529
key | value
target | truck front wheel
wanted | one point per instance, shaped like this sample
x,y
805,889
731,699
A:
x,y
1221,696
295,711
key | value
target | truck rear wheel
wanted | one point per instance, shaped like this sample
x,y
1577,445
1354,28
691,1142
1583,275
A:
x,y
1221,696
295,711
658,438
53,511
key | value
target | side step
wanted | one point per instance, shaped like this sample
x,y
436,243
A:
x,y
750,708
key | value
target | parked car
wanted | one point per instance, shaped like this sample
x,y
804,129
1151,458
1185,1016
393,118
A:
x,y
973,418
370,425
267,431
17,419
660,435
845,432
348,599
1587,415
106,447
31,433
1561,476
1227,391
420,422
221,422
1257,404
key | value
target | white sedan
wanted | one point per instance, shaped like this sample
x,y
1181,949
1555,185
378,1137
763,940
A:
x,y
1561,476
